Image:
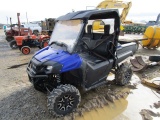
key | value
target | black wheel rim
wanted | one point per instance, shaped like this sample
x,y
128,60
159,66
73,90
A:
x,y
65,103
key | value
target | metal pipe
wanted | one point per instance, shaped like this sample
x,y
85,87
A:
x,y
19,24
11,22
135,40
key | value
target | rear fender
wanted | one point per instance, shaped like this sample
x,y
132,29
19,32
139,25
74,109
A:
x,y
43,37
125,51
33,37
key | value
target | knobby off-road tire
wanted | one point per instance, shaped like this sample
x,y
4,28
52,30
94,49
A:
x,y
63,100
123,74
13,44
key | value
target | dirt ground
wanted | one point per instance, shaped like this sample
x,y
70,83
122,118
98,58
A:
x,y
19,100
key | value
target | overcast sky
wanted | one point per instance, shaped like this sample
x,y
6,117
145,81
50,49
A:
x,y
41,9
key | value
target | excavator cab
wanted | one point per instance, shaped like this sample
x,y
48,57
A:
x,y
98,25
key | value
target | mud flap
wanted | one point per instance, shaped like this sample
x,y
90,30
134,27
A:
x,y
138,64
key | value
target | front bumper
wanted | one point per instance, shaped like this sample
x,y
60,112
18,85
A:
x,y
37,69
32,70
32,75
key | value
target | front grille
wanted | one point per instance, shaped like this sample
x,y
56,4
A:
x,y
32,67
35,65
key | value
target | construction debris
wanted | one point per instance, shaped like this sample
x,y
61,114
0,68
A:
x,y
148,114
155,83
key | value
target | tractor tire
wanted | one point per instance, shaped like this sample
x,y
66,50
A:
x,y
13,44
63,100
123,74
44,43
154,58
9,38
25,50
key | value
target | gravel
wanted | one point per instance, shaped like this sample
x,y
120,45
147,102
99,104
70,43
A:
x,y
20,101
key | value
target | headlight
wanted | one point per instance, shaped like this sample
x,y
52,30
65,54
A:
x,y
49,67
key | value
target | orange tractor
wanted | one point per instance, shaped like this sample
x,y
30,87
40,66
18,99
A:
x,y
25,40
15,31
24,43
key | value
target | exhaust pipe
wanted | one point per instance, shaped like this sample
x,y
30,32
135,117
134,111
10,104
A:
x,y
19,24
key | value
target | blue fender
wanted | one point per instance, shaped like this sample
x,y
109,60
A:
x,y
68,61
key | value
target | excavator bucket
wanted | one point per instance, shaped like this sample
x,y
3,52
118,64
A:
x,y
138,64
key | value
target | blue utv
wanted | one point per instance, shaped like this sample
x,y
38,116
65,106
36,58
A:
x,y
80,56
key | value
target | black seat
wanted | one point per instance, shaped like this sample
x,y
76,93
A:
x,y
106,44
97,36
106,30
101,46
89,34
89,29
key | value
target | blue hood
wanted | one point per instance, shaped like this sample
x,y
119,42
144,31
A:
x,y
69,61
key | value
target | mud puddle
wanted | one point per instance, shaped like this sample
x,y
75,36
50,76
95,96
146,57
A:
x,y
132,100
16,66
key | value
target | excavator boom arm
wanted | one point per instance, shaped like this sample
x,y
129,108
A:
x,y
116,4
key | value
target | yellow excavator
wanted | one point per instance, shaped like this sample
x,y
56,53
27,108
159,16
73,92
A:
x,y
116,4
110,4
151,37
150,40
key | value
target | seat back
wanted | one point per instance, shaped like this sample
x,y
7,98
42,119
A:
x,y
97,36
103,48
100,46
89,29
107,29
88,33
